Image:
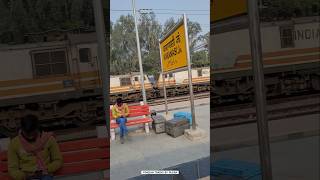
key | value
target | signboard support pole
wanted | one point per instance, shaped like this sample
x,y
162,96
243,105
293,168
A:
x,y
260,97
102,57
139,54
165,94
163,83
189,73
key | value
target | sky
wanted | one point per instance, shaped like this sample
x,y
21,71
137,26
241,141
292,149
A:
x,y
196,10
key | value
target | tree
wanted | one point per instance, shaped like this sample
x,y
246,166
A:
x,y
123,46
194,29
200,58
21,17
150,31
169,24
124,58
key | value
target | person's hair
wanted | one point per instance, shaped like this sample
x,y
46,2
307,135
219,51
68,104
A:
x,y
119,100
30,123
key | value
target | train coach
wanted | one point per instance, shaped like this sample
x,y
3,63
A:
x,y
128,87
291,58
177,83
56,81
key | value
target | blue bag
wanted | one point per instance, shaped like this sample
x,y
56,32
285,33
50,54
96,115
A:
x,y
185,115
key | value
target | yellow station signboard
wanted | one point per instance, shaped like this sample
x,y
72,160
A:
x,y
173,50
223,9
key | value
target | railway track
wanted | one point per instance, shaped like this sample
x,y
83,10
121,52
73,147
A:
x,y
273,100
231,115
75,133
72,132
174,99
276,110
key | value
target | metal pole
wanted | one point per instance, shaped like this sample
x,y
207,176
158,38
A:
x,y
165,94
260,97
189,73
139,53
102,56
163,82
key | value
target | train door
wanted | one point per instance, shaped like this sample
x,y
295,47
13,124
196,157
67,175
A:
x,y
206,72
88,66
136,82
169,79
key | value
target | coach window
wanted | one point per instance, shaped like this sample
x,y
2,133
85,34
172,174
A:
x,y
286,36
125,81
170,75
199,72
85,55
136,78
50,63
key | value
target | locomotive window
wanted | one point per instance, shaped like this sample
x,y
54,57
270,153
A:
x,y
42,58
85,55
58,57
59,68
43,70
286,37
49,63
199,72
137,78
125,81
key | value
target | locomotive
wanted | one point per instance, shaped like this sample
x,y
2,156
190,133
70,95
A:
x,y
291,59
56,81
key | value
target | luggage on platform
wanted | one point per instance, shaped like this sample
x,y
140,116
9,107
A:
x,y
158,123
176,126
185,115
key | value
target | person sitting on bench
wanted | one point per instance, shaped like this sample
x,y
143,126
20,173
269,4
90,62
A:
x,y
120,111
33,154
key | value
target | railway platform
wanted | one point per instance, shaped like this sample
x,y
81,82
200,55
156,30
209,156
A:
x,y
294,145
291,159
153,151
